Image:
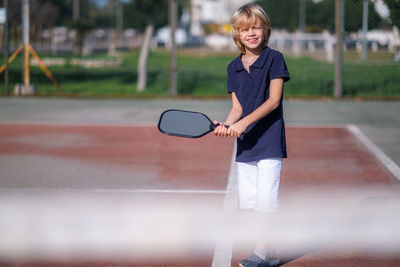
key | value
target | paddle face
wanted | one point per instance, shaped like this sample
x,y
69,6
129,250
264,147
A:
x,y
185,123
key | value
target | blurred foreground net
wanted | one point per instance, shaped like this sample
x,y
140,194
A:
x,y
45,225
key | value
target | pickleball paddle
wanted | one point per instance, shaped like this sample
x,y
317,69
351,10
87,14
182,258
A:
x,y
185,123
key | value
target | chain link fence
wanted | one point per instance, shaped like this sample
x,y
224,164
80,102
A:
x,y
92,47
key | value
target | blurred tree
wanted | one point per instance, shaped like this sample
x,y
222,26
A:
x,y
320,15
81,27
147,16
14,20
64,10
103,16
283,14
139,13
354,14
394,8
44,14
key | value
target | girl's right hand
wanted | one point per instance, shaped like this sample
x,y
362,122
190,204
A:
x,y
221,130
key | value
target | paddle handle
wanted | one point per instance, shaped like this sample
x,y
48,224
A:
x,y
213,126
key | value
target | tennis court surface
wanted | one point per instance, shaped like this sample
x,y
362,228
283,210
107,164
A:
x,y
87,188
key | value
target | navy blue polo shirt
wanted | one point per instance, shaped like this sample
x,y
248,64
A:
x,y
266,137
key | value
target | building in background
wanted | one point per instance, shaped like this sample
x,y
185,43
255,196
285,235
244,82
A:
x,y
211,21
218,12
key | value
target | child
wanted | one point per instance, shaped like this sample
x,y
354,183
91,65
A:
x,y
255,81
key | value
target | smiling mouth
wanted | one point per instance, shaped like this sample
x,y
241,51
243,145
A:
x,y
252,40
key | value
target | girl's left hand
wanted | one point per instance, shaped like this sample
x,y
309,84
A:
x,y
238,128
221,130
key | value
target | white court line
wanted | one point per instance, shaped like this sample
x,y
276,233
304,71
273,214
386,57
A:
x,y
223,248
378,153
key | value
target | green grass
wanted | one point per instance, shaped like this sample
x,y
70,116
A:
x,y
205,75
367,80
309,78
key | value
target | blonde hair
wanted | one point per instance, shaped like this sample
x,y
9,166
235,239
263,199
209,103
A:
x,y
246,16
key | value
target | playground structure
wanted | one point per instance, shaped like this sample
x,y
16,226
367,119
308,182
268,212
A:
x,y
27,88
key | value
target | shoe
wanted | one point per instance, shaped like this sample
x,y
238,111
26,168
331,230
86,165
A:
x,y
254,261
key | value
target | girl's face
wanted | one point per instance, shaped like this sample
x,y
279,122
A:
x,y
252,37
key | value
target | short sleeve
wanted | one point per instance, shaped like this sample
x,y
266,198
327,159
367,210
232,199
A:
x,y
231,83
279,68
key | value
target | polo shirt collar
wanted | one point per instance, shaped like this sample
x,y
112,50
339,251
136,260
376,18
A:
x,y
259,63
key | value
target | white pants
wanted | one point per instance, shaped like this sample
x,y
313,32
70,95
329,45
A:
x,y
259,184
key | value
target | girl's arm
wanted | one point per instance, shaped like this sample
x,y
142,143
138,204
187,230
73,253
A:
x,y
275,95
234,115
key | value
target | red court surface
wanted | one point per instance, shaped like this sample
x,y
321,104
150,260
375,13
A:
x,y
138,159
151,160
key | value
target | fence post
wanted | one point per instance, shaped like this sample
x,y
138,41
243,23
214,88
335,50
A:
x,y
302,24
26,88
119,21
75,11
364,50
173,5
339,25
25,33
6,48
